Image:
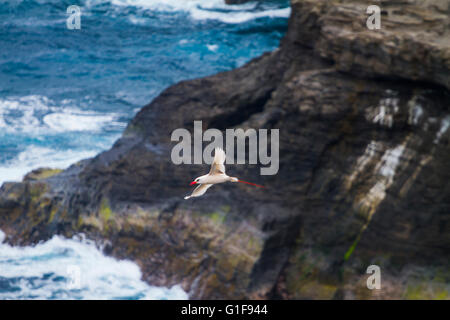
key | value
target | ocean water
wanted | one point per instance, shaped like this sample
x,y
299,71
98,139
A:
x,y
66,95
72,269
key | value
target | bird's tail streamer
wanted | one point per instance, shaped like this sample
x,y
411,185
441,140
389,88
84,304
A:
x,y
250,183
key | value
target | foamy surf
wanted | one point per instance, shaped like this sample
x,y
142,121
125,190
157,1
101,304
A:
x,y
34,157
239,17
175,5
46,271
36,131
203,9
40,115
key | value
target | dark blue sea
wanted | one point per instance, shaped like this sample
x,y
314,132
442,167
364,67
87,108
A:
x,y
66,95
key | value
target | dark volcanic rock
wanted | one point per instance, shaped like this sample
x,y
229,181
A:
x,y
364,169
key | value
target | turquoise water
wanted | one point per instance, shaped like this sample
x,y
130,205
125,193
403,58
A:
x,y
66,95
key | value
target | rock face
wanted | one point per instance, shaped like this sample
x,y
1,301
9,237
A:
x,y
364,169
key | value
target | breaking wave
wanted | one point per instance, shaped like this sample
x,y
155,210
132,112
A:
x,y
72,269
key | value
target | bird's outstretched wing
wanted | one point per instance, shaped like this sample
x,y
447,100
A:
x,y
218,167
199,191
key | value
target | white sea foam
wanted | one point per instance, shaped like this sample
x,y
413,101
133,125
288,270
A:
x,y
39,115
34,157
239,17
70,120
203,9
45,271
212,47
176,5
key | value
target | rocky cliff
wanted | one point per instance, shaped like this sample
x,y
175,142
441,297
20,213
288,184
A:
x,y
364,168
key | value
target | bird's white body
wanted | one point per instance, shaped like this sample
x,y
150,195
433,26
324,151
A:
x,y
214,179
216,175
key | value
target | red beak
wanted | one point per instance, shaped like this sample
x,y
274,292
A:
x,y
192,183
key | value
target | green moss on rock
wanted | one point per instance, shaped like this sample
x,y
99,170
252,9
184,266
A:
x,y
105,211
217,217
41,173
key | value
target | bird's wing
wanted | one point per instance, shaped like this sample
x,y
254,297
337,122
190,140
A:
x,y
218,167
199,191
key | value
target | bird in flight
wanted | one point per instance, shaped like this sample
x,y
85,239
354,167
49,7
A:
x,y
216,175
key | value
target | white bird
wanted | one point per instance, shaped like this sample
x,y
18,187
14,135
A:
x,y
216,175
